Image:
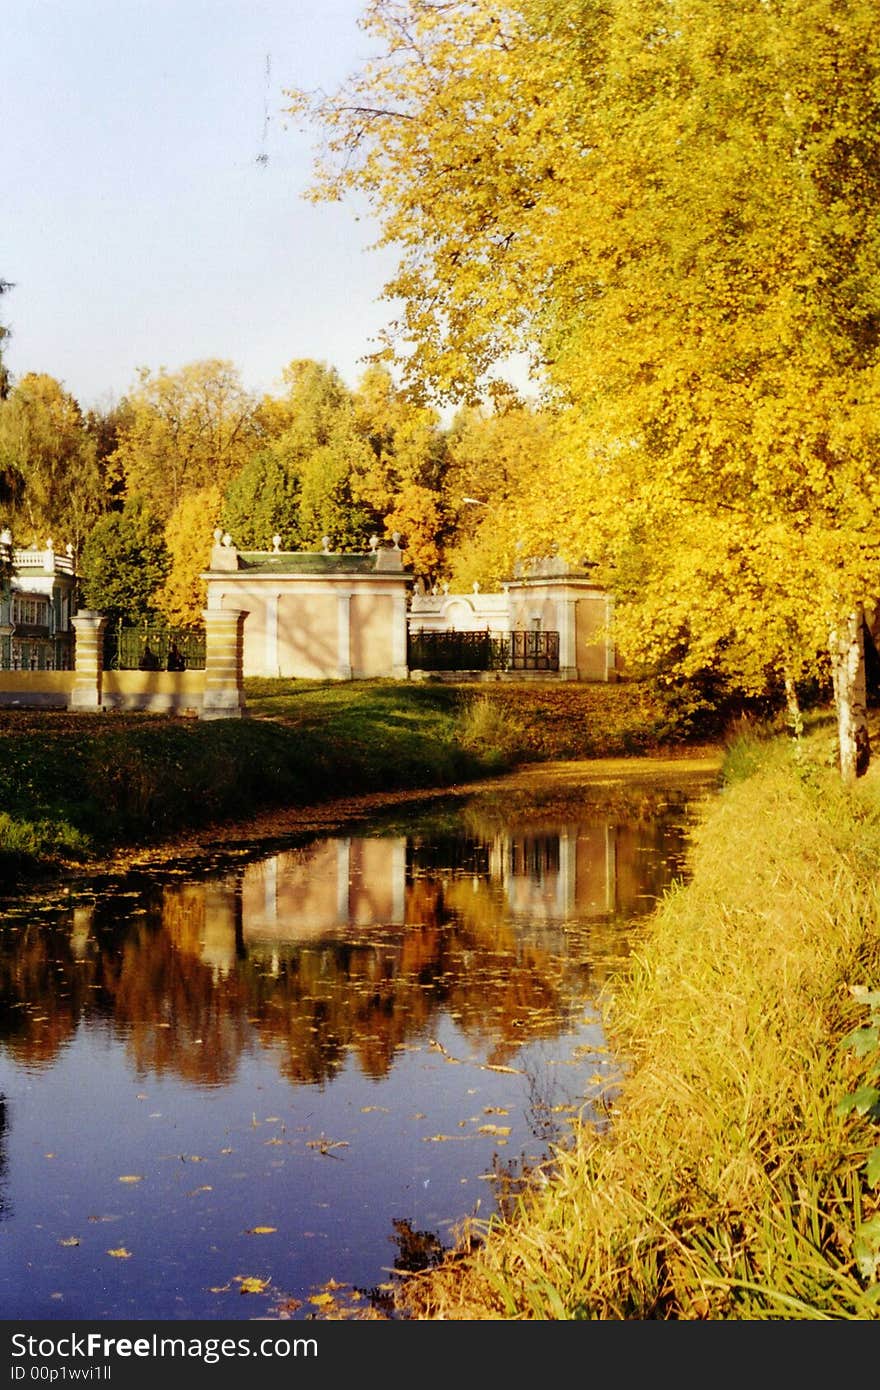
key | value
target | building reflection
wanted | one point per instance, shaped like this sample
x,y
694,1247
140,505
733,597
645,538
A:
x,y
350,945
535,882
340,883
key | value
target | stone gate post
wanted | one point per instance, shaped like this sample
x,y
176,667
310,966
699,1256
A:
x,y
224,648
88,659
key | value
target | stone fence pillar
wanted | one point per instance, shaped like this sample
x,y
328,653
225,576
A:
x,y
88,659
224,648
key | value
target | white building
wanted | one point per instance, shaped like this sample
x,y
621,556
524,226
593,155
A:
x,y
37,602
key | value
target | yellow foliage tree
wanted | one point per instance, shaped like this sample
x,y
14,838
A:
x,y
495,453
415,515
184,431
189,535
49,460
673,204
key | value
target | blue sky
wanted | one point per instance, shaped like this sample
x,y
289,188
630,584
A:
x,y
153,210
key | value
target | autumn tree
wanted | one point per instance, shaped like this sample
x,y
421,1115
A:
x,y
495,453
188,539
50,462
402,477
672,205
187,430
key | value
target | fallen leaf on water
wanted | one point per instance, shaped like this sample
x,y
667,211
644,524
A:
x,y
196,1190
251,1284
120,1253
220,1288
501,1130
70,1240
442,1138
132,1177
261,1231
321,1300
325,1145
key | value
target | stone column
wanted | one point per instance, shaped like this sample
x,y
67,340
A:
x,y
610,651
566,609
224,645
399,644
343,641
87,690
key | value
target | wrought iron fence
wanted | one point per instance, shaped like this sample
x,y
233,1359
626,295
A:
x,y
483,651
534,651
150,647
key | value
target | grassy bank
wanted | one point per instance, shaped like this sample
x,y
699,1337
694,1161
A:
x,y
76,785
735,1181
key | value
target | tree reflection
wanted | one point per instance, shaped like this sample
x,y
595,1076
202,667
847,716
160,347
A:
x,y
345,950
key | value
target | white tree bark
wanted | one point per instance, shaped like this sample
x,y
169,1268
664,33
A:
x,y
850,696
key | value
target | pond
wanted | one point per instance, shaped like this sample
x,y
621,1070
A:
x,y
254,1085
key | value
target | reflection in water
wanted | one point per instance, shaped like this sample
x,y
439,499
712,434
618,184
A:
x,y
444,980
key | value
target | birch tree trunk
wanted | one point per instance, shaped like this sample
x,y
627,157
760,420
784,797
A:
x,y
850,696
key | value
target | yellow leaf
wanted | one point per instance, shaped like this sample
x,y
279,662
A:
x,y
251,1284
120,1254
131,1177
71,1240
261,1230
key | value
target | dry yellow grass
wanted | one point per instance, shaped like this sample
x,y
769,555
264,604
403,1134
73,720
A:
x,y
726,1186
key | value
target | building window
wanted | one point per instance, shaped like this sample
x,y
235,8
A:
x,y
30,612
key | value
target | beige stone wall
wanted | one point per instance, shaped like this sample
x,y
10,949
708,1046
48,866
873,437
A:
x,y
46,689
371,616
308,635
161,691
318,630
589,641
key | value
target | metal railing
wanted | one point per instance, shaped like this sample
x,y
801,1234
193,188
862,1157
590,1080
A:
x,y
150,647
483,651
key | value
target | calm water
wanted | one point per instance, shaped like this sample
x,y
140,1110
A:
x,y
225,1087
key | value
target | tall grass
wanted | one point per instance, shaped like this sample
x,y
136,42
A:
x,y
730,1184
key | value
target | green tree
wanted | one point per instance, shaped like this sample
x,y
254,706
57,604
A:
x,y
328,506
261,502
314,435
124,562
